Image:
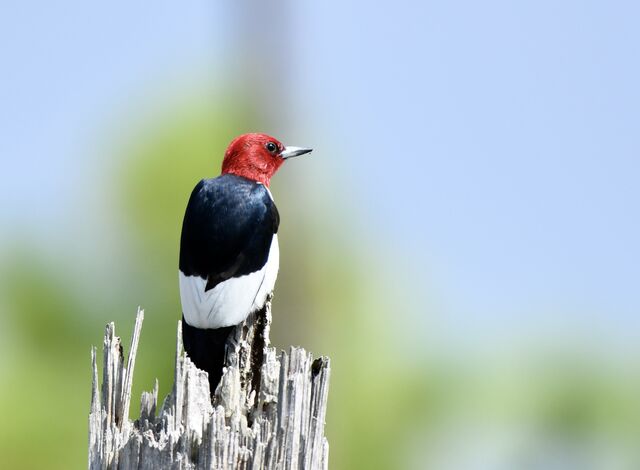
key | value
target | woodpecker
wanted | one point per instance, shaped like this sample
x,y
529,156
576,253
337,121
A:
x,y
229,253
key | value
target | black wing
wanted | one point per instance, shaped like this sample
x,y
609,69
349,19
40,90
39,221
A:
x,y
227,229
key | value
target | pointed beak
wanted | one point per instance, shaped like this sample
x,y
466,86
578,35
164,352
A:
x,y
290,152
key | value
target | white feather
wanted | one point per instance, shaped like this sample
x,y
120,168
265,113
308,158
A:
x,y
231,301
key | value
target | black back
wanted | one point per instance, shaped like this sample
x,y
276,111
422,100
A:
x,y
227,229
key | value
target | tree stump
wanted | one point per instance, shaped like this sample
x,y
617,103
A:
x,y
268,411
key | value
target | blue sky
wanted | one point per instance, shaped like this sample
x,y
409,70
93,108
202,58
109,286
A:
x,y
507,149
491,147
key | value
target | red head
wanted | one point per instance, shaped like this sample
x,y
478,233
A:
x,y
257,157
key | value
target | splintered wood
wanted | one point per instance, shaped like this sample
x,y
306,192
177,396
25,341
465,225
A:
x,y
267,413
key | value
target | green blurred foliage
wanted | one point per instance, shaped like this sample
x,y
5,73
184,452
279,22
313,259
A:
x,y
329,298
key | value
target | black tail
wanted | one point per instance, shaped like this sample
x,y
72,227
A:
x,y
205,348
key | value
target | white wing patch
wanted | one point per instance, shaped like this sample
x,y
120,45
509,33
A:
x,y
231,301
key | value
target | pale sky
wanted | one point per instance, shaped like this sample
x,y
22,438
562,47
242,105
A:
x,y
492,146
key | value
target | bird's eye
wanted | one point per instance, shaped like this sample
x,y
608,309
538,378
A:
x,y
271,147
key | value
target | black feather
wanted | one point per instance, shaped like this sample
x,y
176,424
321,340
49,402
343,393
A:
x,y
206,349
227,231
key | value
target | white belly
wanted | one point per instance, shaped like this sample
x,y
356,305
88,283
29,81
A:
x,y
231,301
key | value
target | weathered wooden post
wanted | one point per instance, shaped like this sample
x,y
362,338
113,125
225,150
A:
x,y
267,413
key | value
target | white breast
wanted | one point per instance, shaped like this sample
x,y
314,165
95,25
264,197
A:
x,y
231,301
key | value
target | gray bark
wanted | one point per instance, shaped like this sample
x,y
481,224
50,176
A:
x,y
268,411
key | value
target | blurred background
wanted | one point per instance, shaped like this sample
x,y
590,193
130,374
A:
x,y
463,242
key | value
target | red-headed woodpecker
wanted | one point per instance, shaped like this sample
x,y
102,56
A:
x,y
229,248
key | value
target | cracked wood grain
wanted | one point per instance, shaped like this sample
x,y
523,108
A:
x,y
268,411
